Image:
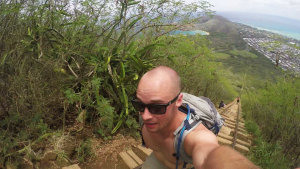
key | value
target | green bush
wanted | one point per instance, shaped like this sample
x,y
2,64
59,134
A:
x,y
266,155
253,128
84,151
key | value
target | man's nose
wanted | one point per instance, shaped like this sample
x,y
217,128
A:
x,y
146,114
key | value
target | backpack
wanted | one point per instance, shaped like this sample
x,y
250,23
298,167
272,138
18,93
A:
x,y
199,110
206,111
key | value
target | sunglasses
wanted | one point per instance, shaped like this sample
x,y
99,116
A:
x,y
153,108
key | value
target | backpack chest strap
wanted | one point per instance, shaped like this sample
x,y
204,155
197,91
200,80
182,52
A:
x,y
183,156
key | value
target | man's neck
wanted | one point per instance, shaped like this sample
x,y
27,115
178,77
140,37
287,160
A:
x,y
177,119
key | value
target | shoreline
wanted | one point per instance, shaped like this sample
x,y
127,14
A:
x,y
205,32
287,35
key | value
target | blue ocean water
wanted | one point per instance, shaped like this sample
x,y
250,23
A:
x,y
277,24
188,32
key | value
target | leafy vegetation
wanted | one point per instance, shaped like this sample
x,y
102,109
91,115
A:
x,y
84,150
266,155
61,59
275,109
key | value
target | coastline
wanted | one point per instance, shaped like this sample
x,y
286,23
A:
x,y
297,36
205,32
288,27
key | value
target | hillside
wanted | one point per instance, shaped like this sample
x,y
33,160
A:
x,y
218,24
224,34
235,56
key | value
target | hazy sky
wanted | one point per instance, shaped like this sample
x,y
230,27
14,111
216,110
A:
x,y
286,8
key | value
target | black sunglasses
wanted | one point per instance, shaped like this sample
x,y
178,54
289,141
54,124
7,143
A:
x,y
153,108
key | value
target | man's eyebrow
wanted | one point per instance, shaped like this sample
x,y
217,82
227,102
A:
x,y
157,101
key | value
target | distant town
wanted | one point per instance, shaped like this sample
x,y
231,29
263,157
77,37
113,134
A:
x,y
281,50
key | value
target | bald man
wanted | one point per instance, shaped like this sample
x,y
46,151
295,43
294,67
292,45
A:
x,y
158,99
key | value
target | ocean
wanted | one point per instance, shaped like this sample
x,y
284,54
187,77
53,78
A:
x,y
277,24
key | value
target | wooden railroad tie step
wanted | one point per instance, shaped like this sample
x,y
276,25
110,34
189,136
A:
x,y
230,126
128,160
223,141
240,148
242,130
135,157
241,127
230,123
226,130
246,144
242,136
131,159
145,150
241,124
228,118
228,137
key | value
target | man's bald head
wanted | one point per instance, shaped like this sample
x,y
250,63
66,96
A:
x,y
163,78
160,85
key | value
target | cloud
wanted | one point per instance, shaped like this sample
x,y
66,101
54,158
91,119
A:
x,y
294,3
285,8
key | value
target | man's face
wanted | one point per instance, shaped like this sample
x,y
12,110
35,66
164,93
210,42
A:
x,y
153,122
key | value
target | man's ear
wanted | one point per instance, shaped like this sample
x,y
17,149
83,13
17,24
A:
x,y
179,100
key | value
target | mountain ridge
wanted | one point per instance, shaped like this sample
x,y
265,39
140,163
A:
x,y
223,33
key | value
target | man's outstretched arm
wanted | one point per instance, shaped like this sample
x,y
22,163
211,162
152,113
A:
x,y
207,154
224,157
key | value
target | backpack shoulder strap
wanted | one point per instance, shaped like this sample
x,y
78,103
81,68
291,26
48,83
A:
x,y
188,125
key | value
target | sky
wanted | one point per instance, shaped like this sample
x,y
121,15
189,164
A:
x,y
285,8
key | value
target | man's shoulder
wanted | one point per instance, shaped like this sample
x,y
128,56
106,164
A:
x,y
201,138
201,134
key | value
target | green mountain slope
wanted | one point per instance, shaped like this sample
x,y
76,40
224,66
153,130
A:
x,y
236,58
224,34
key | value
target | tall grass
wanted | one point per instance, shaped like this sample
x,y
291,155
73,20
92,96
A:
x,y
275,109
264,154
